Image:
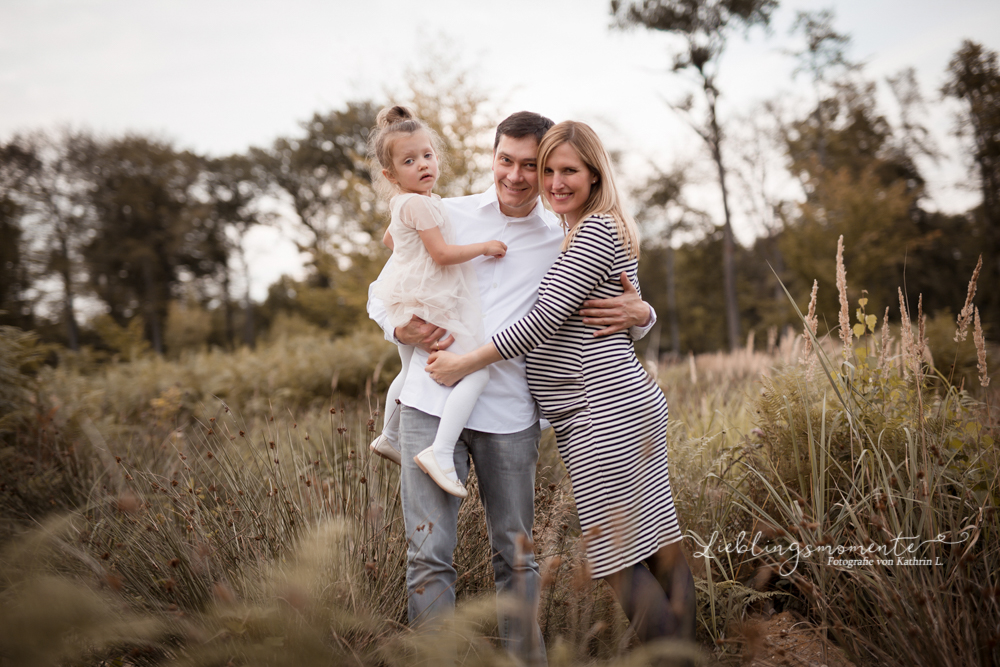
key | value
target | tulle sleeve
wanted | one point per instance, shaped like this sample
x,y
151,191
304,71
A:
x,y
419,212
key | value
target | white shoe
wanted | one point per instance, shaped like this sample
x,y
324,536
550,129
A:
x,y
426,461
384,448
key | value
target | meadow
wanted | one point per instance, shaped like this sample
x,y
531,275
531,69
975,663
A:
x,y
222,508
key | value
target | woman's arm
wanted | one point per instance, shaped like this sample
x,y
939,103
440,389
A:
x,y
445,254
586,264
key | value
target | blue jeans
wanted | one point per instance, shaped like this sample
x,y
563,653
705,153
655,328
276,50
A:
x,y
506,469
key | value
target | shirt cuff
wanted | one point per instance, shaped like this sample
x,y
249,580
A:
x,y
637,332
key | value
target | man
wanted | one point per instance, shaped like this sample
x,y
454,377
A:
x,y
502,434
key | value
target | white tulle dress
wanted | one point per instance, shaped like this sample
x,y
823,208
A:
x,y
415,284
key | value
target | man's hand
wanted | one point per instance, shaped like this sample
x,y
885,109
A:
x,y
426,336
619,313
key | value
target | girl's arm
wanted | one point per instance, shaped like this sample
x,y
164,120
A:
x,y
444,254
586,264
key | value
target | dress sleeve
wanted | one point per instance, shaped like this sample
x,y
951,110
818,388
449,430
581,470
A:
x,y
577,272
420,213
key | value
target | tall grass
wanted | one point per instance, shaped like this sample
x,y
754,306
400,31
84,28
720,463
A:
x,y
224,509
865,451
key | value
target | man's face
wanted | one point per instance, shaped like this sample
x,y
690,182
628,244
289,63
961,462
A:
x,y
515,174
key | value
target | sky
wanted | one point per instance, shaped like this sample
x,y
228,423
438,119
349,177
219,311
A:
x,y
218,76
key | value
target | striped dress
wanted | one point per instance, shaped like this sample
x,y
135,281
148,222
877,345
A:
x,y
610,418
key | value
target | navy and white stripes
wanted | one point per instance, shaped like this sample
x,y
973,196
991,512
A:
x,y
609,417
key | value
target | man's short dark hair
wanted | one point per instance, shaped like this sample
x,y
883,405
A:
x,y
522,124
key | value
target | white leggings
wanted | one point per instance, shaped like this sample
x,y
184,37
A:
x,y
457,407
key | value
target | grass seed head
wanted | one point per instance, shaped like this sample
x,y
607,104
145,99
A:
x,y
845,313
977,336
965,315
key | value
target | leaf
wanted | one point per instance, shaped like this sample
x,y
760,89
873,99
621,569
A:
x,y
859,330
988,440
863,301
871,321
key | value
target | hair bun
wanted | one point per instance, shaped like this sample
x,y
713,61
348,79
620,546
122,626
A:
x,y
392,115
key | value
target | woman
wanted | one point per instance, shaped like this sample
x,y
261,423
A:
x,y
609,417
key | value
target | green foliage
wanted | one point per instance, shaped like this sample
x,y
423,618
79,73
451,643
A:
x,y
189,327
35,471
287,373
129,341
20,357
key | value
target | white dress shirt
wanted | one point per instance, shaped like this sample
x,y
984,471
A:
x,y
508,289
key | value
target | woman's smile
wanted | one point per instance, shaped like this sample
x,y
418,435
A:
x,y
567,182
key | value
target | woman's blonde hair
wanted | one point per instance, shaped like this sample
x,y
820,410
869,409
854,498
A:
x,y
604,198
392,121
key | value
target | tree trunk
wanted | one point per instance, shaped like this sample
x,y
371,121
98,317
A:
x,y
72,330
249,334
728,243
227,305
672,318
155,330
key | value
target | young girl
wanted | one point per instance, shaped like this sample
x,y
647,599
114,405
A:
x,y
428,278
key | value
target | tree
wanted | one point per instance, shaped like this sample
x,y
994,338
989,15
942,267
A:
x,y
233,192
324,176
150,232
705,27
825,52
443,97
868,190
53,200
974,78
17,164
661,216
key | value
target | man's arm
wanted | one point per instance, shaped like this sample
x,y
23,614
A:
x,y
376,309
627,311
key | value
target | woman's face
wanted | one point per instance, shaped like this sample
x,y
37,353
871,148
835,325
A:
x,y
566,182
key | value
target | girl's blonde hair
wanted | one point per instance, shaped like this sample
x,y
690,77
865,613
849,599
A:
x,y
604,198
392,121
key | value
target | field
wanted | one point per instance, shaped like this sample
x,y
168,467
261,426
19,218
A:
x,y
223,509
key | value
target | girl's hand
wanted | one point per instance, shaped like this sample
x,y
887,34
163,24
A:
x,y
495,249
447,368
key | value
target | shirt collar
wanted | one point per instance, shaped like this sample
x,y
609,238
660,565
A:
x,y
539,212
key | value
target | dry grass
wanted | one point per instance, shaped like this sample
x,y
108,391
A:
x,y
224,509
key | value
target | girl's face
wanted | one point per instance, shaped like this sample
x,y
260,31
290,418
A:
x,y
414,163
566,182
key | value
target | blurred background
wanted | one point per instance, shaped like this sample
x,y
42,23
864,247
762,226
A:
x,y
187,176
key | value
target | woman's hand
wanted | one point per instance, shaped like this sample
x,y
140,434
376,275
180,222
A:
x,y
448,368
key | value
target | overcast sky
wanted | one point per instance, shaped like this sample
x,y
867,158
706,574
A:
x,y
218,76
